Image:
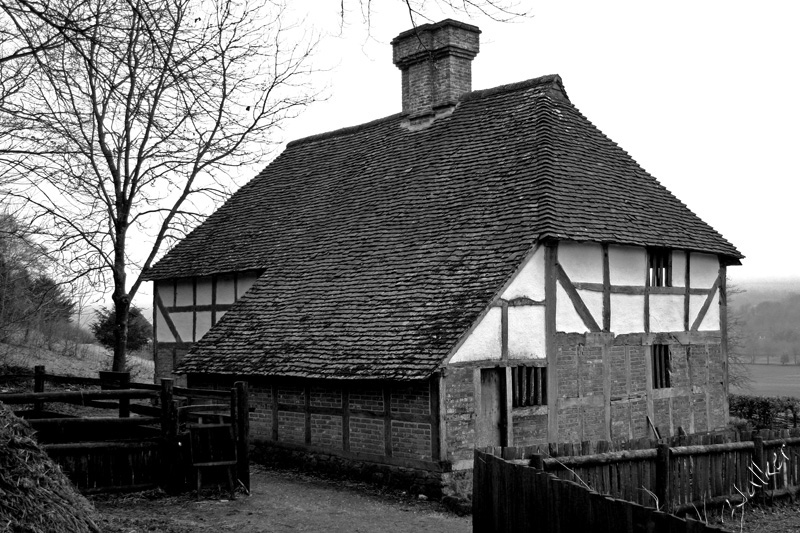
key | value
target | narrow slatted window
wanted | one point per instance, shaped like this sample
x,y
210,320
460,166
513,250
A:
x,y
660,268
528,386
661,366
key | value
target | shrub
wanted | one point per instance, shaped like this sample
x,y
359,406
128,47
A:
x,y
762,411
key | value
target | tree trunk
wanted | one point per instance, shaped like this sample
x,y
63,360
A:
x,y
122,306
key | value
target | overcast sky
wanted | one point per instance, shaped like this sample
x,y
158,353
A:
x,y
704,95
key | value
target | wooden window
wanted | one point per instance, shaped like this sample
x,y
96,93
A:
x,y
660,269
661,366
528,386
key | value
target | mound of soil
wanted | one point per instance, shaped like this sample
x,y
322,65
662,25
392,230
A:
x,y
35,496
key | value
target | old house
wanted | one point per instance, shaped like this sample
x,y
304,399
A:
x,y
485,267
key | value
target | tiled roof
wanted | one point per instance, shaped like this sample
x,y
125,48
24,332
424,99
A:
x,y
381,245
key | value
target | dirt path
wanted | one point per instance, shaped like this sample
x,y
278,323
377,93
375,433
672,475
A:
x,y
282,502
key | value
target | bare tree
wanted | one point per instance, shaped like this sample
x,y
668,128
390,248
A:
x,y
128,130
738,372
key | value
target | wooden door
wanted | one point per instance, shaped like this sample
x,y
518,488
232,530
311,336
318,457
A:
x,y
488,430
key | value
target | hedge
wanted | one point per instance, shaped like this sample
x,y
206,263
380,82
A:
x,y
764,412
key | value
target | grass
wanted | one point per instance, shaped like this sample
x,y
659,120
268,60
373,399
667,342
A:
x,y
773,380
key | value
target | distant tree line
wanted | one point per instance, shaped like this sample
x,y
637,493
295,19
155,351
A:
x,y
772,330
32,302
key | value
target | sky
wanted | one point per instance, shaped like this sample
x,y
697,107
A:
x,y
704,95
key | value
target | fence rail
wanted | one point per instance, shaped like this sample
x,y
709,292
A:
x,y
145,446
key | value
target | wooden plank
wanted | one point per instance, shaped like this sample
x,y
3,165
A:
x,y
438,422
577,301
243,428
647,291
387,418
75,396
723,327
550,258
606,290
167,319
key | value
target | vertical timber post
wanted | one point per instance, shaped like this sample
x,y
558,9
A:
x,y
662,476
243,433
38,386
551,350
124,403
169,434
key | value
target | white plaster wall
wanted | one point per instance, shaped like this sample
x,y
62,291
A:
x,y
581,261
711,320
529,281
567,319
163,332
166,292
220,314
203,323
626,265
225,290
244,282
627,313
185,294
183,325
678,268
703,270
594,302
204,291
526,333
666,312
484,342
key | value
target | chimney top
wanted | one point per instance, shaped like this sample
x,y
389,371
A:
x,y
435,60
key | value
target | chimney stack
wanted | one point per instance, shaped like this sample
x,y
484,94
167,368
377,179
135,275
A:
x,y
435,60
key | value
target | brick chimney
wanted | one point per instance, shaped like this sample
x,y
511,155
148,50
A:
x,y
436,62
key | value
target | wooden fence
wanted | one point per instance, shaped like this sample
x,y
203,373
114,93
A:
x,y
513,497
710,470
146,445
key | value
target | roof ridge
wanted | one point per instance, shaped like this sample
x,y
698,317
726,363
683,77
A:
x,y
342,131
552,80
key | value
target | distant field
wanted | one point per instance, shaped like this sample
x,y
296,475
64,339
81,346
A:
x,y
773,380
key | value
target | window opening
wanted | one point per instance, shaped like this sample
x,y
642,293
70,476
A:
x,y
661,366
660,270
528,385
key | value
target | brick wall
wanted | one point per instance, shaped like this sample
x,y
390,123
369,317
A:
x,y
312,414
695,400
459,413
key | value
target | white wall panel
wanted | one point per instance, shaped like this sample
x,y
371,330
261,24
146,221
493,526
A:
x,y
526,333
581,261
183,325
594,302
666,312
185,294
626,265
678,268
166,291
484,342
529,281
567,319
711,320
203,323
627,313
225,290
704,270
164,334
204,291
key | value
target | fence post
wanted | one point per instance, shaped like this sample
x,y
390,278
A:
x,y
169,433
537,461
111,380
243,433
758,460
38,386
662,476
125,403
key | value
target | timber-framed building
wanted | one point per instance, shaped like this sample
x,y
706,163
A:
x,y
485,267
